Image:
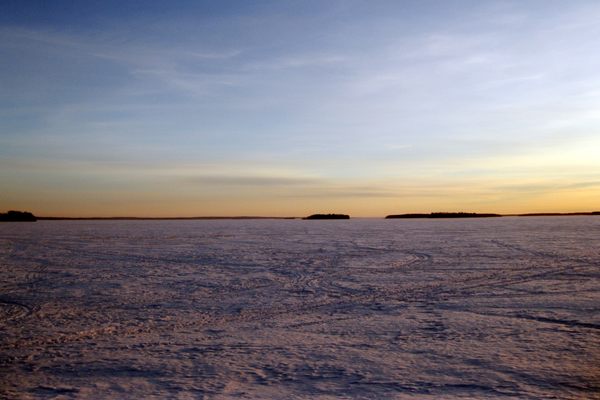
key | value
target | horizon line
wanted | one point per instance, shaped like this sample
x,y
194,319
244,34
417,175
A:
x,y
245,217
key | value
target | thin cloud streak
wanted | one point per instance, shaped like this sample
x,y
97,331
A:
x,y
255,181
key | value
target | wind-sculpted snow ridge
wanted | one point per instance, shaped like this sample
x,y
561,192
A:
x,y
370,309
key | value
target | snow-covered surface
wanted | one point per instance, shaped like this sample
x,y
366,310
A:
x,y
487,308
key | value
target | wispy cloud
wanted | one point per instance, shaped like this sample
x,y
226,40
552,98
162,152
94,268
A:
x,y
305,60
258,181
546,187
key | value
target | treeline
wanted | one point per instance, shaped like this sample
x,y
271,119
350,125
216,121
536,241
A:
x,y
17,216
557,214
328,216
445,215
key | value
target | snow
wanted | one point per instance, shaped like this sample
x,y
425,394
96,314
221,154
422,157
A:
x,y
487,308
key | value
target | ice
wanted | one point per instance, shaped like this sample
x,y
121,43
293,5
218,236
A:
x,y
365,308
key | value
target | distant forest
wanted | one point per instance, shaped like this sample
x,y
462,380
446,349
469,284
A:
x,y
328,216
17,216
444,215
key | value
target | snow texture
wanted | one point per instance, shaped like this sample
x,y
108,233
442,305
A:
x,y
290,309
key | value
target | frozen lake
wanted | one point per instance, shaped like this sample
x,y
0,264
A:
x,y
480,308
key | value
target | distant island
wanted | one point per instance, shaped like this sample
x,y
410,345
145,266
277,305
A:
x,y
17,216
327,216
444,215
557,214
484,215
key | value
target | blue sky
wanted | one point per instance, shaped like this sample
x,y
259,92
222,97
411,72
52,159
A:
x,y
285,108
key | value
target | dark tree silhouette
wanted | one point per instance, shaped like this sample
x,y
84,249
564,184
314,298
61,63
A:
x,y
20,216
328,216
445,215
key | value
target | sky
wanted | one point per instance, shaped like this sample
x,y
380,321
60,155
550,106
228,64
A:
x,y
286,108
